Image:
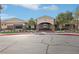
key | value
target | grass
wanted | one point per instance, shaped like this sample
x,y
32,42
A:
x,y
7,32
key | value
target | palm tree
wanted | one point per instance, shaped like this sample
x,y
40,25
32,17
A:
x,y
0,16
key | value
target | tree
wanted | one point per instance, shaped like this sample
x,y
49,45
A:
x,y
0,16
32,23
77,16
64,18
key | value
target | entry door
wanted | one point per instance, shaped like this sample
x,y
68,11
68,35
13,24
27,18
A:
x,y
46,26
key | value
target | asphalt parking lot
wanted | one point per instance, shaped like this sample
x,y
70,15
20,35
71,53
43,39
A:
x,y
39,43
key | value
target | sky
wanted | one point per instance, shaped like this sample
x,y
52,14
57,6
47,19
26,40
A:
x,y
27,11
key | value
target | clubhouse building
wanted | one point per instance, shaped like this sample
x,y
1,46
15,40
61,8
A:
x,y
18,25
44,23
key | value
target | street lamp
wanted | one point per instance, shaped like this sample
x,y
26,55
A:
x,y
0,16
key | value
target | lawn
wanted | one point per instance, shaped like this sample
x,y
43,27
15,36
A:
x,y
7,32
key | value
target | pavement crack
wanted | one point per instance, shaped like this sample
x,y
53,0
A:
x,y
7,47
47,49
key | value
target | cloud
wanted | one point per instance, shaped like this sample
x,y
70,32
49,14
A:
x,y
30,6
37,7
6,16
51,8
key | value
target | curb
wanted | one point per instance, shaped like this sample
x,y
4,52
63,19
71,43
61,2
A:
x,y
7,34
69,34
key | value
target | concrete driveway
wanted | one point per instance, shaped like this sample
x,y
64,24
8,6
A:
x,y
39,43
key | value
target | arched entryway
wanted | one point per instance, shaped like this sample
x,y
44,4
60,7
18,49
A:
x,y
45,23
45,26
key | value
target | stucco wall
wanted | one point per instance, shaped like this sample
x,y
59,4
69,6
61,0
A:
x,y
45,19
